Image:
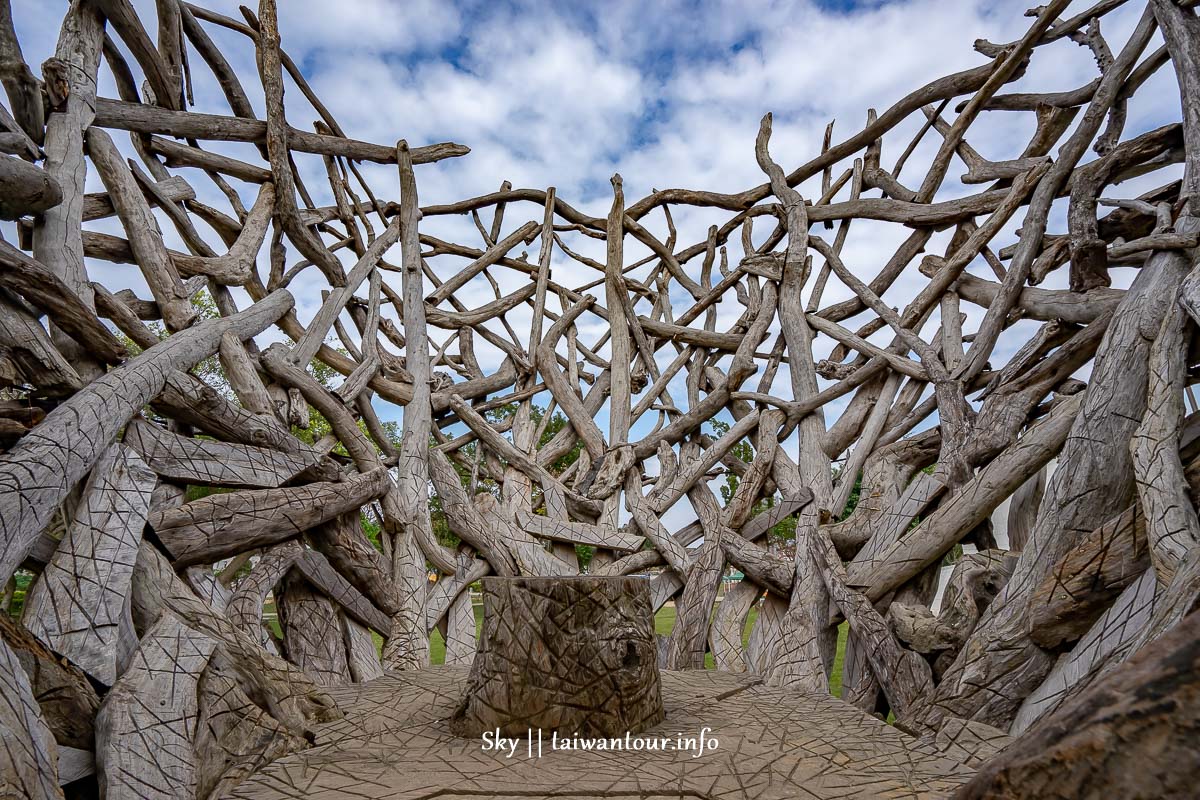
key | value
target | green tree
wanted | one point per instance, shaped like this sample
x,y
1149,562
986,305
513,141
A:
x,y
484,483
782,533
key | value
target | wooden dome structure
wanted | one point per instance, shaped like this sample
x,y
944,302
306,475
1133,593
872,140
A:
x,y
175,464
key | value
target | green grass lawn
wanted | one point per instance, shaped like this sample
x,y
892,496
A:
x,y
664,621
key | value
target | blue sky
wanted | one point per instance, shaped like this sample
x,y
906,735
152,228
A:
x,y
668,93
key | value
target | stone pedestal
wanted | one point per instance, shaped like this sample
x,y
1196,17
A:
x,y
573,655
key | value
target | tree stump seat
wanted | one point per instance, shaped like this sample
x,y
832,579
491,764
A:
x,y
573,655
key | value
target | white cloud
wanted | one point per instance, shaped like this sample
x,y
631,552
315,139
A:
x,y
668,94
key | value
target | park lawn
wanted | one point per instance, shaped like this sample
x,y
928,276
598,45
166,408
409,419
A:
x,y
664,621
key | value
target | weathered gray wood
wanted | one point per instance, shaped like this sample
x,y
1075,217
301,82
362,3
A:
x,y
805,642
148,249
969,506
149,119
287,693
57,234
66,697
222,525
1023,510
37,473
460,631
450,587
24,94
25,189
1172,528
509,549
234,737
578,532
198,461
597,673
322,321
70,313
312,631
322,575
903,675
74,764
975,580
1109,638
99,205
27,355
1097,486
765,568
407,646
79,605
29,757
725,636
1088,579
1107,566
243,378
193,402
970,743
361,655
675,554
689,637
245,608
342,542
146,727
1129,735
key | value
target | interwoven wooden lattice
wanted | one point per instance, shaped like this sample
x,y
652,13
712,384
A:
x,y
147,601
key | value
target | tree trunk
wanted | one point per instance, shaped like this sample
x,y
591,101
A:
x,y
80,605
572,655
66,697
38,473
1133,734
147,723
29,756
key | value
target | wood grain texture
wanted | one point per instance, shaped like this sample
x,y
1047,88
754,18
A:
x,y
638,400
79,606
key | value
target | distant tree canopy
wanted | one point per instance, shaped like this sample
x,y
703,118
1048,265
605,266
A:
x,y
476,479
783,534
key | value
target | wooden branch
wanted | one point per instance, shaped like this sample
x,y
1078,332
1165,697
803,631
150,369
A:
x,y
969,506
73,436
1172,529
29,761
25,189
222,525
346,548
1139,714
139,118
148,249
197,461
149,746
67,700
48,293
79,606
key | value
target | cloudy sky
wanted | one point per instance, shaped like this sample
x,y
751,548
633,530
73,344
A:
x,y
667,93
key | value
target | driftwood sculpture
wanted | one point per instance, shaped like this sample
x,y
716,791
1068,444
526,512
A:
x,y
205,552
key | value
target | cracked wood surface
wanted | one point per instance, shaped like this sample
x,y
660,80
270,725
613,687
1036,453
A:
x,y
66,697
772,744
79,606
195,461
221,525
147,724
575,656
37,473
29,755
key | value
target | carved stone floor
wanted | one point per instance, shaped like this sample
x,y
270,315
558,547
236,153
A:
x,y
394,743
